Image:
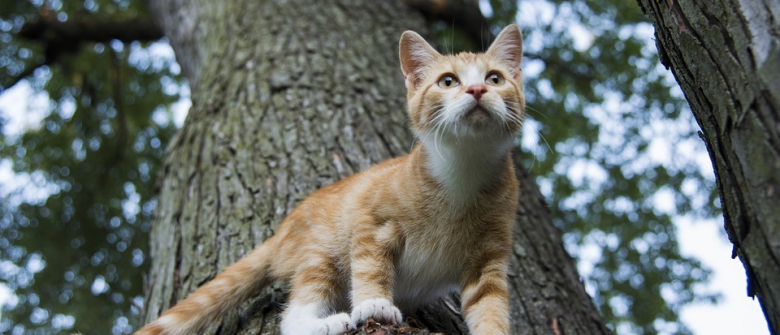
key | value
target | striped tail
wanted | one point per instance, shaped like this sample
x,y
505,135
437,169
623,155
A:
x,y
227,291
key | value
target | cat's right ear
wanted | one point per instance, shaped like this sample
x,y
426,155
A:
x,y
415,54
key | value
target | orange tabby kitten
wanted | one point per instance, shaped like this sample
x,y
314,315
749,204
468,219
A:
x,y
409,230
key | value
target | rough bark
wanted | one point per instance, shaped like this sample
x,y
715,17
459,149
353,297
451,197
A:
x,y
290,97
726,56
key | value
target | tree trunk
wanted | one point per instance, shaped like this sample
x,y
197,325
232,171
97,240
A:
x,y
289,97
726,56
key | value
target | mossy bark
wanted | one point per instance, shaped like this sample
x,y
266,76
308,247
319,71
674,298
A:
x,y
726,56
288,97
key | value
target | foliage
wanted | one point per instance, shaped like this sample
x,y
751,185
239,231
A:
x,y
602,122
79,252
610,141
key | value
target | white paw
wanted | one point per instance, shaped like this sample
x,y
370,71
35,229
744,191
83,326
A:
x,y
335,325
380,309
298,323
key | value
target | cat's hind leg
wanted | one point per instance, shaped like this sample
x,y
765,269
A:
x,y
316,292
312,319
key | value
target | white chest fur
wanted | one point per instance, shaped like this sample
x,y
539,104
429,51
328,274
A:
x,y
464,166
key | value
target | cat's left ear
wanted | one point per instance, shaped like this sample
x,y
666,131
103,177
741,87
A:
x,y
415,55
508,48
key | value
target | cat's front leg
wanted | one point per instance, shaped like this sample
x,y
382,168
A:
x,y
374,248
485,298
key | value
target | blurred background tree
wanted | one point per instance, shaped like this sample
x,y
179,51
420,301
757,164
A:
x,y
76,251
604,121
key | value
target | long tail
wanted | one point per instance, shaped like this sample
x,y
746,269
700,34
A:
x,y
236,284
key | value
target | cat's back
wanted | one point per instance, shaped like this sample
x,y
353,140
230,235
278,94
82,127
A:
x,y
353,188
337,204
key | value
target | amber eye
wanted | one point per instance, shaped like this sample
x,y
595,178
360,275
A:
x,y
448,82
494,79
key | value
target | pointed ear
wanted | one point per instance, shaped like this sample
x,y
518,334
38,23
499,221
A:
x,y
415,54
508,48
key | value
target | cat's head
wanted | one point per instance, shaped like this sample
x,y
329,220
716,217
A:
x,y
468,94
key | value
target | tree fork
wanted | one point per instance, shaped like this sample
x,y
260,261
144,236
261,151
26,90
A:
x,y
465,15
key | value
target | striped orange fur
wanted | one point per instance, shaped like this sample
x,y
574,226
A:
x,y
406,231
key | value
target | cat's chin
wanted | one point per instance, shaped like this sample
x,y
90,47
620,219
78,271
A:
x,y
479,120
478,114
484,129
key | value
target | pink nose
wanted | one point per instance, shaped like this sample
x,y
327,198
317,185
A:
x,y
476,90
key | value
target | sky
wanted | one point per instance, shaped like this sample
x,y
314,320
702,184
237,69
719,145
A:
x,y
736,313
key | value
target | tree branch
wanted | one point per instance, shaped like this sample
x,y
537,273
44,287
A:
x,y
465,15
85,30
59,38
